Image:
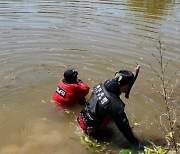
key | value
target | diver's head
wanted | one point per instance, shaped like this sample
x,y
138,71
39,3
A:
x,y
70,76
125,80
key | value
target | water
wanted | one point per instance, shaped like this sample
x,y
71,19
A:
x,y
40,39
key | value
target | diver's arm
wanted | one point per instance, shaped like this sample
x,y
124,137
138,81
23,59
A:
x,y
122,123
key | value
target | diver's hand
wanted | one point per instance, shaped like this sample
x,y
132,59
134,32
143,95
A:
x,y
138,147
136,144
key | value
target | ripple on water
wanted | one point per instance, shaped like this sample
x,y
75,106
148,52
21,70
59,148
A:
x,y
40,39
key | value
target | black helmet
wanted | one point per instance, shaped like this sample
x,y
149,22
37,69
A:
x,y
125,77
70,76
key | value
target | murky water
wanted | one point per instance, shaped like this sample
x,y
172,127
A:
x,y
40,39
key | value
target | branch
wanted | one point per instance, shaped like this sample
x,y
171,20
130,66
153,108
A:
x,y
156,72
166,65
172,77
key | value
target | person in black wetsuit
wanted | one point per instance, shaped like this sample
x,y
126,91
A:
x,y
105,105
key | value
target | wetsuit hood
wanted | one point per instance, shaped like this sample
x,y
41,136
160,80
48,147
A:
x,y
125,77
70,76
112,86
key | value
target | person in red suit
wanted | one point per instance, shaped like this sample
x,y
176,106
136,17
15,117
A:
x,y
70,90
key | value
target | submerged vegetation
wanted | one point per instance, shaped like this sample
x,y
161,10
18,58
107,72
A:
x,y
93,144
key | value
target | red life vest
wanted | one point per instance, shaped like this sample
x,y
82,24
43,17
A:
x,y
70,94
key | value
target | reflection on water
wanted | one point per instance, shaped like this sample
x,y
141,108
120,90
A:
x,y
155,9
40,39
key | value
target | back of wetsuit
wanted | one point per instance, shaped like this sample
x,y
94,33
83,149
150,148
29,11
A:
x,y
103,103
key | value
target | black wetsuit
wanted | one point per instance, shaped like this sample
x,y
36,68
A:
x,y
103,105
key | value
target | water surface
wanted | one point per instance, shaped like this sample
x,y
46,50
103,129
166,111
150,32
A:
x,y
40,39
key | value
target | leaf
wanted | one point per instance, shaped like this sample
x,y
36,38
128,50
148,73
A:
x,y
125,151
92,143
170,134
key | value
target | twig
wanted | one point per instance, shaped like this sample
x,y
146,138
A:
x,y
156,72
165,66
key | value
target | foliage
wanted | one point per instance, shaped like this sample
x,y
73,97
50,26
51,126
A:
x,y
92,143
154,150
147,150
125,151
